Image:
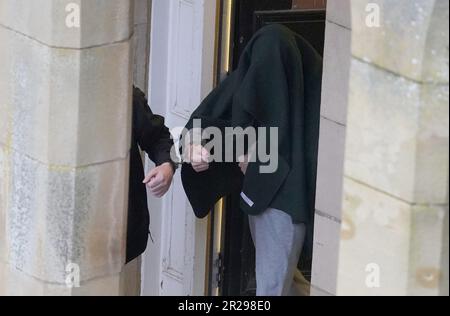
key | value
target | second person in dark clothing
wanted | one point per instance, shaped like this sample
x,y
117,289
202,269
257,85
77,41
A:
x,y
150,135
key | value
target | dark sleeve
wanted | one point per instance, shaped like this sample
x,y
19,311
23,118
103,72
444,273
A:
x,y
151,134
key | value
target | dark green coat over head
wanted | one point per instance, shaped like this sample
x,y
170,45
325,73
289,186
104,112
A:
x,y
277,84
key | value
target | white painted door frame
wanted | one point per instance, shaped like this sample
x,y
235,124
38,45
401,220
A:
x,y
183,35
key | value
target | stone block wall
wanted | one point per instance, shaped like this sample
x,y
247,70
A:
x,y
65,122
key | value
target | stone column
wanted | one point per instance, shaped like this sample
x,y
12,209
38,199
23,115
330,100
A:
x,y
395,213
142,28
331,147
65,116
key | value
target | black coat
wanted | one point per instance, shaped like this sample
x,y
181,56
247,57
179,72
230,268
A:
x,y
153,137
277,84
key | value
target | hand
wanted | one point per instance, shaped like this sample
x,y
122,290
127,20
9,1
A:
x,y
159,180
199,157
243,164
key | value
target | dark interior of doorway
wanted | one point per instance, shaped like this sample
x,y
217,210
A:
x,y
238,277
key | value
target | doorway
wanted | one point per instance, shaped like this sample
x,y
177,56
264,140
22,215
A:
x,y
234,266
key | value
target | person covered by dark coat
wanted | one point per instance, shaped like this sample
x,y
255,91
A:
x,y
150,135
277,86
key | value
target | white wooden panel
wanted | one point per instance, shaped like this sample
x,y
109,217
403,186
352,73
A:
x,y
175,223
185,56
181,74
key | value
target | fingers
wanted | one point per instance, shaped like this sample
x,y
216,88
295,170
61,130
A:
x,y
150,176
243,163
160,192
244,168
199,158
198,154
158,182
159,187
205,155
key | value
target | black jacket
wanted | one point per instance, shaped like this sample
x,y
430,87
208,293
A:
x,y
277,84
152,136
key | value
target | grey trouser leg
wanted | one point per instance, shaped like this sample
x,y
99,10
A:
x,y
278,244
